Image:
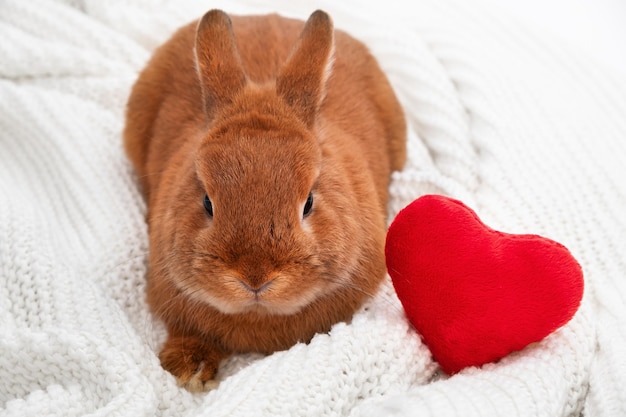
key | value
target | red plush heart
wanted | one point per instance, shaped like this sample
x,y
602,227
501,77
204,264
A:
x,y
473,293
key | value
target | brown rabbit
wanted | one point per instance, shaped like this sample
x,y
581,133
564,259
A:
x,y
264,146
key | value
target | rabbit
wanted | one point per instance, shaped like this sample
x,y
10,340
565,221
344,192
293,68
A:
x,y
264,147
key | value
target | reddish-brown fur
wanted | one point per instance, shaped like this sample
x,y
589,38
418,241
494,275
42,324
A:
x,y
255,125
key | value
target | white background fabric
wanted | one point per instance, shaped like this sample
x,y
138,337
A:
x,y
595,27
517,126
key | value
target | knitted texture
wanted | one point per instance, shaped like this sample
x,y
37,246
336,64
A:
x,y
518,127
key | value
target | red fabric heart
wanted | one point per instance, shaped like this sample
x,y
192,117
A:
x,y
473,293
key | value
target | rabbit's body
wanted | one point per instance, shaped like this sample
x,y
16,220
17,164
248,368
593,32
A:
x,y
293,147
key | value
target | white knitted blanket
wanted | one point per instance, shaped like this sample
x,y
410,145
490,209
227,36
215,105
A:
x,y
521,129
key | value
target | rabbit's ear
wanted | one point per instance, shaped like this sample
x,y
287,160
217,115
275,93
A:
x,y
218,62
301,81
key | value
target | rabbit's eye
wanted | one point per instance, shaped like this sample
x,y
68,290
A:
x,y
308,205
208,206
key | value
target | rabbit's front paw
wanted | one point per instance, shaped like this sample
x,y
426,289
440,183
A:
x,y
192,361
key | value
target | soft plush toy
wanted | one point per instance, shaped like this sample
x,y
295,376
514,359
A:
x,y
473,293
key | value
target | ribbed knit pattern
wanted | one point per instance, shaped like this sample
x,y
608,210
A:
x,y
522,129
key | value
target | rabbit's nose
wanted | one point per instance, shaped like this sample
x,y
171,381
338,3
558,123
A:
x,y
256,288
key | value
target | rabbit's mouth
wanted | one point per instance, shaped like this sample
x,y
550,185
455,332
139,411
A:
x,y
233,296
265,303
258,304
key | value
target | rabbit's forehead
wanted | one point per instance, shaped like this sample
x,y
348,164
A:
x,y
263,162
